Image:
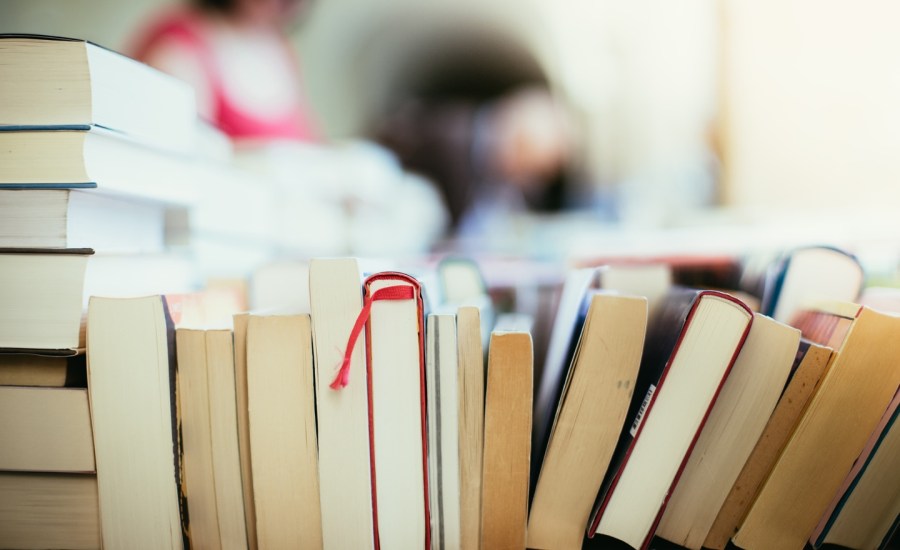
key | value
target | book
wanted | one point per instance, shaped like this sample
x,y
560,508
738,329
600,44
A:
x,y
692,341
587,422
471,424
442,379
395,353
795,281
41,295
196,438
283,431
210,439
563,336
345,481
73,218
35,369
507,440
45,430
56,82
852,397
41,510
863,512
99,159
809,366
735,424
241,323
132,388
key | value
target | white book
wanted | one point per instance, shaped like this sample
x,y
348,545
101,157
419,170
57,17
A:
x,y
442,375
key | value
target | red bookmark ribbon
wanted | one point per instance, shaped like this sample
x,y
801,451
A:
x,y
396,292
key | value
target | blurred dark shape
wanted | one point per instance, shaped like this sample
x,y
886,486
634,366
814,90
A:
x,y
473,112
236,56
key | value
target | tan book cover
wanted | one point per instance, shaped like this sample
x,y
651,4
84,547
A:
x,y
243,424
853,395
775,435
283,432
507,441
590,415
40,511
471,424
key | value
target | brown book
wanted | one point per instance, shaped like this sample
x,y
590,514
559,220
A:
x,y
507,441
471,424
45,430
209,438
131,381
589,417
734,426
243,424
850,401
813,360
51,371
280,399
39,510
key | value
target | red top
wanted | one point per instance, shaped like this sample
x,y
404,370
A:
x,y
186,28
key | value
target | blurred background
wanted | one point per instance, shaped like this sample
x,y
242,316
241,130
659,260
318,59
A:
x,y
701,125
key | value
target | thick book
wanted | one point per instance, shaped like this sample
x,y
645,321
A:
x,y
692,341
470,355
395,361
36,369
73,218
56,82
45,430
209,434
507,440
587,422
40,510
83,160
795,281
280,399
345,479
863,512
41,291
137,445
442,383
853,395
735,424
809,366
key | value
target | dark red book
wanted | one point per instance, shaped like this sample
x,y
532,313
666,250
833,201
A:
x,y
692,341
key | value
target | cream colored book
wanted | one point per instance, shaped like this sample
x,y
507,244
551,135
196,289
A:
x,y
735,424
851,399
243,424
507,440
283,432
64,83
40,511
224,431
45,430
470,355
592,408
345,484
131,383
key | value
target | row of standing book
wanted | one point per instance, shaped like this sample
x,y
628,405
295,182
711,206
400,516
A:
x,y
691,420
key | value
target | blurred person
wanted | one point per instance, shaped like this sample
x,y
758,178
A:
x,y
237,57
490,160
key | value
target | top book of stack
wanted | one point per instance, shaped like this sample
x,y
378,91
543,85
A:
x,y
53,83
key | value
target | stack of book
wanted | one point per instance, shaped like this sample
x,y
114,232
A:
x,y
74,120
